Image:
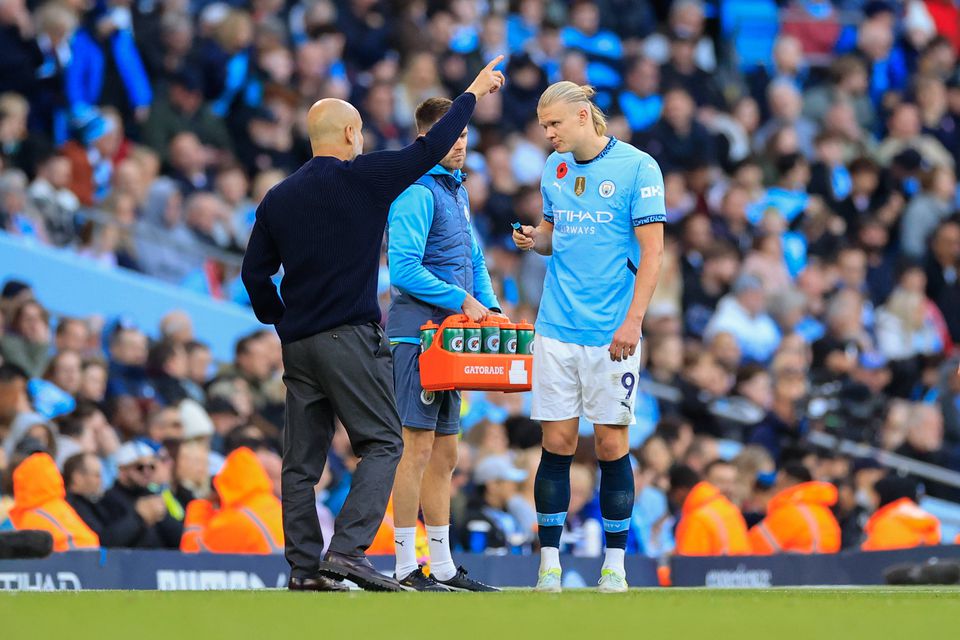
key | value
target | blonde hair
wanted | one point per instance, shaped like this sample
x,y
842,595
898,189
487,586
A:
x,y
904,305
228,33
567,92
56,20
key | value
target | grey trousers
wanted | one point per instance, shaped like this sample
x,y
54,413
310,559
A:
x,y
344,372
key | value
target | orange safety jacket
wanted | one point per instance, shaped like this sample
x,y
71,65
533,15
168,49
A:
x,y
902,524
799,520
711,525
39,502
249,519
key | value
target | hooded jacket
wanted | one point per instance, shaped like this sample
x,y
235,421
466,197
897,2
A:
x,y
799,520
711,525
39,503
249,519
902,524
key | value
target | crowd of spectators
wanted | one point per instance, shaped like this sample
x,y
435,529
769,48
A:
x,y
810,280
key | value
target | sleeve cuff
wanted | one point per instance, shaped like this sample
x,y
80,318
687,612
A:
x,y
658,217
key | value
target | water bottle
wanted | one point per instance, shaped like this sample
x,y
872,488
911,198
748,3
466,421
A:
x,y
452,339
471,337
427,333
508,338
525,335
478,530
490,337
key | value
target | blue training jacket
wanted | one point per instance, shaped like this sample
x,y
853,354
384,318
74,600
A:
x,y
435,259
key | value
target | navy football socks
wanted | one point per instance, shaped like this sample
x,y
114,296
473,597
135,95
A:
x,y
552,496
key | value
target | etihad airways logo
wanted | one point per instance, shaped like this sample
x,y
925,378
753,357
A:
x,y
594,217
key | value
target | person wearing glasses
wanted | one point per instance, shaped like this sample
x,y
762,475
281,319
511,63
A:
x,y
137,515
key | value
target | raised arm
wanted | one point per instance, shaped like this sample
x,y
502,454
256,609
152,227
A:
x,y
390,172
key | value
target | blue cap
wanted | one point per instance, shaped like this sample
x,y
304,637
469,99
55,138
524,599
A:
x,y
766,480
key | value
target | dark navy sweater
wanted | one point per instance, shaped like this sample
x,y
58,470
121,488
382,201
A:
x,y
325,225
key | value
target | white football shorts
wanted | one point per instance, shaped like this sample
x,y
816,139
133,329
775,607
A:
x,y
571,380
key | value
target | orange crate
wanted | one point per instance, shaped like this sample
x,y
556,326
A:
x,y
442,370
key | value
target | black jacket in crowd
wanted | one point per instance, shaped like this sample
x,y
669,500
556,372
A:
x,y
127,528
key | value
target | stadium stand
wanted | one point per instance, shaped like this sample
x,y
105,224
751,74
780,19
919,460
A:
x,y
808,310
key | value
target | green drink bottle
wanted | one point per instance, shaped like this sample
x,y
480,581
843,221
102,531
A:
x,y
525,336
471,337
452,338
508,338
490,337
427,334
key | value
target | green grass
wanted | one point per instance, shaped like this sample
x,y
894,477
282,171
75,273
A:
x,y
675,614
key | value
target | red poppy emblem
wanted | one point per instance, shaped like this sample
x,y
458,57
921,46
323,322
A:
x,y
561,170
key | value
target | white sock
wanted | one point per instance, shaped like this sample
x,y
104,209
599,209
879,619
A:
x,y
549,558
614,560
405,542
441,562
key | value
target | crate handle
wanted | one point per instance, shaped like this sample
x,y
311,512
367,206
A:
x,y
462,317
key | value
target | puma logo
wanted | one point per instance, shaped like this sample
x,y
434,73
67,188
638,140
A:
x,y
399,543
558,185
435,540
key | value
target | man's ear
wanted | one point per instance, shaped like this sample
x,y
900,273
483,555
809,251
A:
x,y
349,133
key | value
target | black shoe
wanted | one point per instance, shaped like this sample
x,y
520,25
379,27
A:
x,y
417,581
460,582
316,583
358,570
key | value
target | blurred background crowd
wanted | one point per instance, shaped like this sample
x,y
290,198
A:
x,y
810,283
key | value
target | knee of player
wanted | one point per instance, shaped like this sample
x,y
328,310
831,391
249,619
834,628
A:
x,y
446,460
418,445
610,448
559,443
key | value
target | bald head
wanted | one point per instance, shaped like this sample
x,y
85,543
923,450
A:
x,y
334,127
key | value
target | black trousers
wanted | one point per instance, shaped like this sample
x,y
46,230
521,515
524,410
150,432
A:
x,y
344,372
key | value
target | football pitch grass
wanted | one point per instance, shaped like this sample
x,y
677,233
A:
x,y
773,614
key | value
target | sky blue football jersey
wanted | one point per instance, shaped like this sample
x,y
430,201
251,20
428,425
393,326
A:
x,y
594,207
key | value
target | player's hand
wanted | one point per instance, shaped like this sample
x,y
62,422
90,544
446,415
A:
x,y
525,238
488,80
474,310
626,339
